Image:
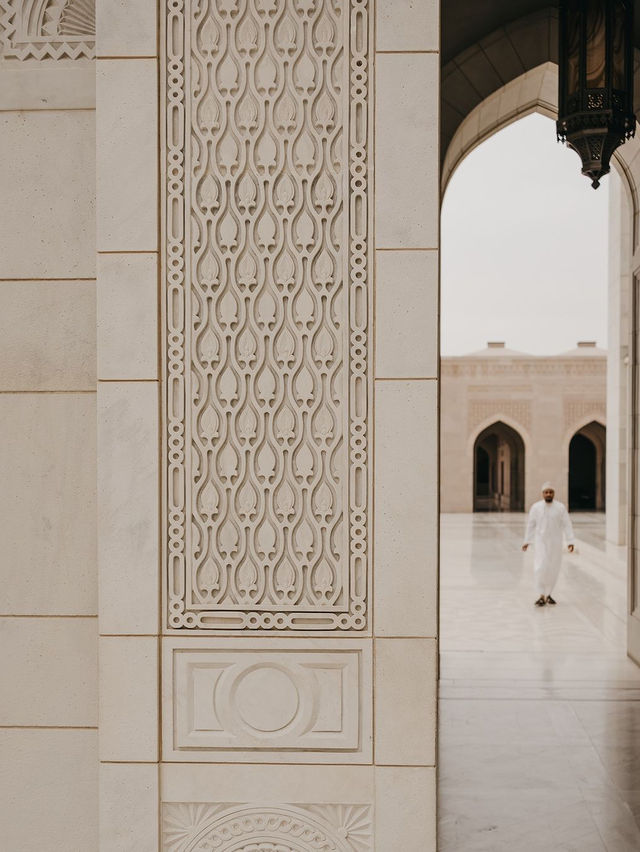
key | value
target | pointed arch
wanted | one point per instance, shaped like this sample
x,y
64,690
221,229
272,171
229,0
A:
x,y
498,469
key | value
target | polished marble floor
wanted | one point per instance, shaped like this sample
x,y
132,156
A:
x,y
539,708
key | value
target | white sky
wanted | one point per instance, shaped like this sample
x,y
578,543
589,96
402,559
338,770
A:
x,y
524,246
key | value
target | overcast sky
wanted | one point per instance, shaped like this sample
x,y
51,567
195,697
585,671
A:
x,y
524,246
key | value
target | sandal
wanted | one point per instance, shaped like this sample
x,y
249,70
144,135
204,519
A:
x,y
541,601
550,600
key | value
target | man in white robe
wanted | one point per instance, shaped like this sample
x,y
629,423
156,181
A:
x,y
548,523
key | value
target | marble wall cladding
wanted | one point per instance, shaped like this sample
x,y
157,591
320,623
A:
x,y
37,354
49,668
267,701
33,87
48,503
128,483
127,302
127,28
405,702
406,529
407,191
407,25
128,312
411,793
129,795
48,623
49,784
52,156
127,151
406,302
129,698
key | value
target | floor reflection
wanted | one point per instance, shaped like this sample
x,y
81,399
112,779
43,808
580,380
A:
x,y
539,708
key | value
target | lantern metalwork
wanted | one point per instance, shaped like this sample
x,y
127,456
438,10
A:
x,y
595,97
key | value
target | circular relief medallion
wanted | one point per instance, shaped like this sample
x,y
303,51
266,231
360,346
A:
x,y
266,699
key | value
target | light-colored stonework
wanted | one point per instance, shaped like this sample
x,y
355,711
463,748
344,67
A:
x,y
326,828
545,400
237,421
267,701
267,316
47,29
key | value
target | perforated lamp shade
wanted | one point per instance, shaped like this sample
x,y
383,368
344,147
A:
x,y
595,98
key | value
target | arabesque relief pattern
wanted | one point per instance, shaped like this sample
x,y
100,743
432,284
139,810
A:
x,y
284,828
47,29
267,313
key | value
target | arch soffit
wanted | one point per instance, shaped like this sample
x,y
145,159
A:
x,y
477,61
533,91
500,418
505,76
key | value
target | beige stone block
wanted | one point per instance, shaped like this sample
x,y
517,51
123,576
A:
x,y
47,217
406,519
46,86
127,134
51,665
406,314
549,88
405,809
47,503
201,782
128,482
49,790
406,157
405,708
407,25
129,807
38,354
489,118
509,98
530,88
469,130
125,28
267,700
128,316
128,698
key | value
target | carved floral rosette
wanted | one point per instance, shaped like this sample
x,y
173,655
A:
x,y
47,29
198,827
266,265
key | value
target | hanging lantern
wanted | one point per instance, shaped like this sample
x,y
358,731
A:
x,y
595,97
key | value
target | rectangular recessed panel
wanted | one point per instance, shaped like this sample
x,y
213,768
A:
x,y
268,701
266,270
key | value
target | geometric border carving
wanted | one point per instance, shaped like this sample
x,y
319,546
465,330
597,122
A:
x,y
205,587
516,409
201,827
577,410
47,29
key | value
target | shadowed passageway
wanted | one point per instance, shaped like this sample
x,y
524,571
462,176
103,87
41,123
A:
x,y
539,708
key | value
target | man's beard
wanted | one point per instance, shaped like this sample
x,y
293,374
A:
x,y
548,499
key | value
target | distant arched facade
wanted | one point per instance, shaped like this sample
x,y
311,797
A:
x,y
587,466
545,400
499,470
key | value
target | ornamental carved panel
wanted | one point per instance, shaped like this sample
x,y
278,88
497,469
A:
x,y
200,827
47,29
266,254
267,700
